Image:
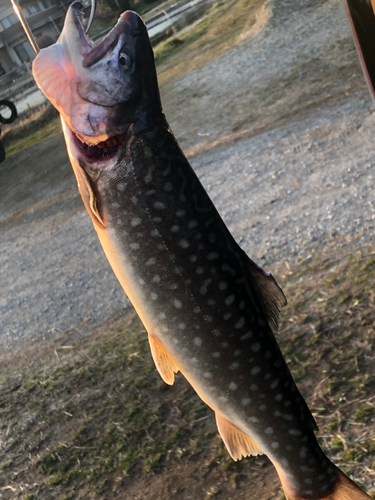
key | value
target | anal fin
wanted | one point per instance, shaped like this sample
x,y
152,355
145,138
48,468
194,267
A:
x,y
163,361
237,442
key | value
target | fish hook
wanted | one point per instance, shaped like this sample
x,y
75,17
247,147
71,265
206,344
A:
x,y
29,33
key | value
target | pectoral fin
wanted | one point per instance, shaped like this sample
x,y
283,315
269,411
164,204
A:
x,y
237,442
163,361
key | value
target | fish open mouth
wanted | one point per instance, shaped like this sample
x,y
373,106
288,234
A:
x,y
103,151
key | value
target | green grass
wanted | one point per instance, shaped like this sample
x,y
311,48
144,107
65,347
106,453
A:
x,y
100,415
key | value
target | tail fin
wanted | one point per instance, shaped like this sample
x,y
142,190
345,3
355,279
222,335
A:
x,y
343,489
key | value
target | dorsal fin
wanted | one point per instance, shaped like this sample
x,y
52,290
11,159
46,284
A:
x,y
237,442
273,298
163,361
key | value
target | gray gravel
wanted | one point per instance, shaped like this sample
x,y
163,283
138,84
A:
x,y
285,193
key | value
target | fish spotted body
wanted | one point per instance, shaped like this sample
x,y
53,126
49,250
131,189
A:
x,y
210,312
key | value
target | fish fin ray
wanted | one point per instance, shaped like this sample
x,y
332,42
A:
x,y
237,442
343,489
51,78
272,296
163,360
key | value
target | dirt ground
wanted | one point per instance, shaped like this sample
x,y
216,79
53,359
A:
x,y
279,129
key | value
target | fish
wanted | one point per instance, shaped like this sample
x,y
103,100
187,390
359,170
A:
x,y
210,312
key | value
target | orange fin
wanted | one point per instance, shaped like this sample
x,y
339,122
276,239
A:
x,y
343,489
237,442
163,361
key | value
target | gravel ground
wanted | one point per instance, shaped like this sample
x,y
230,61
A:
x,y
284,193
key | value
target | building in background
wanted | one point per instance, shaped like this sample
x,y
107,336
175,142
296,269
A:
x,y
45,17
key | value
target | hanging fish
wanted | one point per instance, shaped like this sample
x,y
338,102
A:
x,y
210,311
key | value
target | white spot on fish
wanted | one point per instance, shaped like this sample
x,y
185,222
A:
x,y
162,315
223,285
134,200
207,375
245,401
303,452
253,387
154,233
199,270
216,332
239,323
121,186
177,304
294,432
285,462
216,355
156,279
232,386
308,481
227,316
181,326
135,221
269,430
135,246
234,365
115,205
255,347
255,370
208,318
198,341
159,205
274,384
223,399
192,224
224,344
175,228
168,186
196,310
262,407
184,244
141,281
247,335
254,420
193,258
154,296
212,256
211,302
237,352
164,328
229,300
151,261
180,213
275,445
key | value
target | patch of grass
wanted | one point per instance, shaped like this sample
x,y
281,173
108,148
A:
x,y
222,27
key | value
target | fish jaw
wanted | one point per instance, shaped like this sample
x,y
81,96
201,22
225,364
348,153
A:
x,y
99,91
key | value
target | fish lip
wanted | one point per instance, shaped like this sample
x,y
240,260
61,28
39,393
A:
x,y
77,9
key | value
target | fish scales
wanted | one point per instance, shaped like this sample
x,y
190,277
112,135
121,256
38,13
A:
x,y
210,312
187,267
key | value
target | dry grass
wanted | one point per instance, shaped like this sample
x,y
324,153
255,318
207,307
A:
x,y
96,418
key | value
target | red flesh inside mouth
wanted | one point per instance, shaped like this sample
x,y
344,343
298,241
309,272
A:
x,y
104,150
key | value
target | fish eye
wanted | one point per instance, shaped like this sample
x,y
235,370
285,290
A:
x,y
124,60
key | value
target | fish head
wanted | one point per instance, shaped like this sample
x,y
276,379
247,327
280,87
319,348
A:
x,y
100,91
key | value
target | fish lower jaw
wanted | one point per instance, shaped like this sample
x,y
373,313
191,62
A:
x,y
99,151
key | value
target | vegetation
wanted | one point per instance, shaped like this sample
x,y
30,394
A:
x,y
97,417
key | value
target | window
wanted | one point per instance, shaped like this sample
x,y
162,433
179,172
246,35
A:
x,y
7,22
24,51
33,8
